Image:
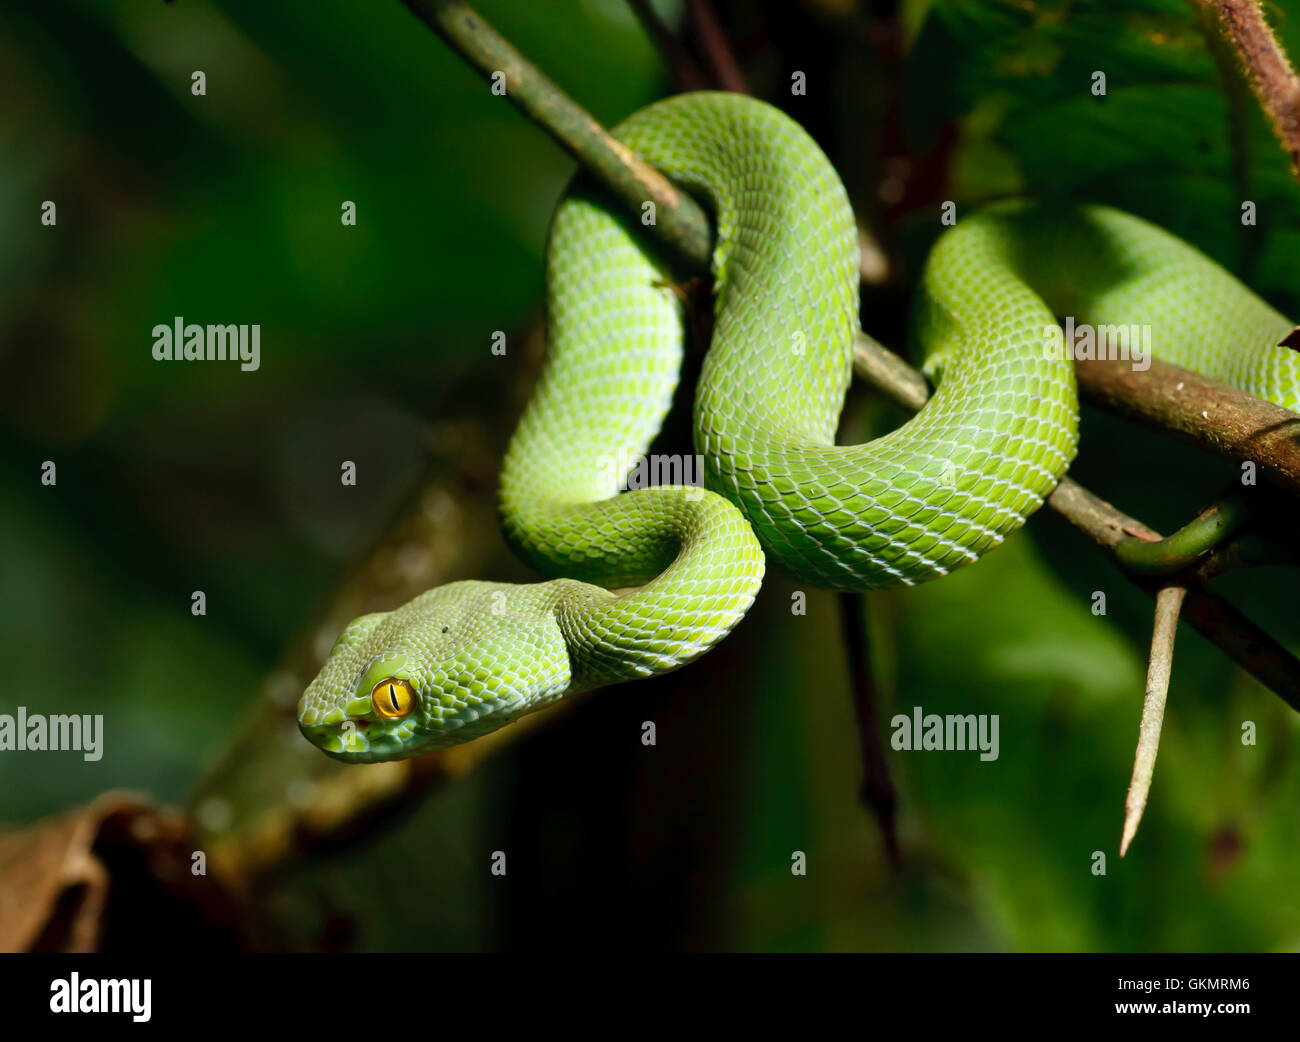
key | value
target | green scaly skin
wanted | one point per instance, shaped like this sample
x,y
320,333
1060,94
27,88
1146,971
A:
x,y
937,493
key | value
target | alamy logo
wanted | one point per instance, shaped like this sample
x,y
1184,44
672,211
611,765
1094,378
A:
x,y
39,733
92,995
952,733
195,343
628,472
1084,343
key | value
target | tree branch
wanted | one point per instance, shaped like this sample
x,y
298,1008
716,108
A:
x,y
679,220
713,43
1267,67
1213,617
1169,602
1187,547
878,792
1196,409
889,374
685,73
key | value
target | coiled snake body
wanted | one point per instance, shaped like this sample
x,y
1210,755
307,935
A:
x,y
1000,430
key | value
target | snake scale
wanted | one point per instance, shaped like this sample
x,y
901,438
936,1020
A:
x,y
648,580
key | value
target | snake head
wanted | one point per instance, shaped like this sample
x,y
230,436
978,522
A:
x,y
456,662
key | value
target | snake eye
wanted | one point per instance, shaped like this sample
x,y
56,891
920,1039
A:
x,y
393,698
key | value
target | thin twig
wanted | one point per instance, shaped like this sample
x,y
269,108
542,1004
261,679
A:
x,y
878,792
679,220
717,52
685,73
1169,602
889,374
1269,70
1190,545
873,264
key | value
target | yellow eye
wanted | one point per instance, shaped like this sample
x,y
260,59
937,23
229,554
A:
x,y
393,698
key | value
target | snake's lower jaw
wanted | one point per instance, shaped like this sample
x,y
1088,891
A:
x,y
363,741
366,737
351,742
355,747
329,740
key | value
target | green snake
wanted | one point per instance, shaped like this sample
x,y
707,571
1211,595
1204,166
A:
x,y
649,579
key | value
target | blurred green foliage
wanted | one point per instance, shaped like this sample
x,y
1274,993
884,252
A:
x,y
174,478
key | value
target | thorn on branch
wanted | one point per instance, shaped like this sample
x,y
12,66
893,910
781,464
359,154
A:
x,y
1213,617
1169,602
